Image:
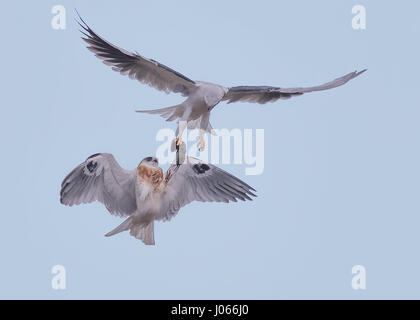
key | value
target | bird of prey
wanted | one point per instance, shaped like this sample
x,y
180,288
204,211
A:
x,y
146,194
202,97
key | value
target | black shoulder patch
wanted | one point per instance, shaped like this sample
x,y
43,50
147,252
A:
x,y
200,168
91,166
93,155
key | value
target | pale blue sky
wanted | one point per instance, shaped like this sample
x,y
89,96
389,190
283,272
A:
x,y
341,180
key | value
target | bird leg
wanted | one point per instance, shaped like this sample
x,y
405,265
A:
x,y
182,125
202,143
178,141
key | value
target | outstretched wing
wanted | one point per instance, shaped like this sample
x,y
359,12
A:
x,y
100,178
145,70
264,94
196,180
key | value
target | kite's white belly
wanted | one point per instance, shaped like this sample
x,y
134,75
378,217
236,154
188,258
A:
x,y
204,99
148,203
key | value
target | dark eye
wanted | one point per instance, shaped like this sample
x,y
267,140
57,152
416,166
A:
x,y
148,159
155,161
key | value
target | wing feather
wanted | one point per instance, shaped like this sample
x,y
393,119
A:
x,y
264,94
199,181
100,178
147,71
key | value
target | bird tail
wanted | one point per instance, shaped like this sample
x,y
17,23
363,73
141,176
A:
x,y
169,113
122,227
144,232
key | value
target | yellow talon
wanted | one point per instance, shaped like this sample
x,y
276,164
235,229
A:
x,y
201,144
178,141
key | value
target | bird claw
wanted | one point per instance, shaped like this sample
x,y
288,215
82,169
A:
x,y
201,145
178,141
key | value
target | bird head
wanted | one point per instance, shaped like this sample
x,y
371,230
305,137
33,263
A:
x,y
150,162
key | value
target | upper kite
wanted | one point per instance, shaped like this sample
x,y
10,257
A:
x,y
202,96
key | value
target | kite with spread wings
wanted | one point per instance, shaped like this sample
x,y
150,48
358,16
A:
x,y
202,97
145,194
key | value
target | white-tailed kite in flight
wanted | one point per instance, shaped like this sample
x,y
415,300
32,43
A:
x,y
145,194
202,97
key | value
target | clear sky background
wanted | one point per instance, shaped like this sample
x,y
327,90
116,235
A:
x,y
341,179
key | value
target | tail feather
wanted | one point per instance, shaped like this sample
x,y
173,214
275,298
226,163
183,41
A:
x,y
169,113
144,232
122,227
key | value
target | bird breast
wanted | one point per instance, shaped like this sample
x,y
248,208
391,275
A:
x,y
149,181
212,93
151,175
149,189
